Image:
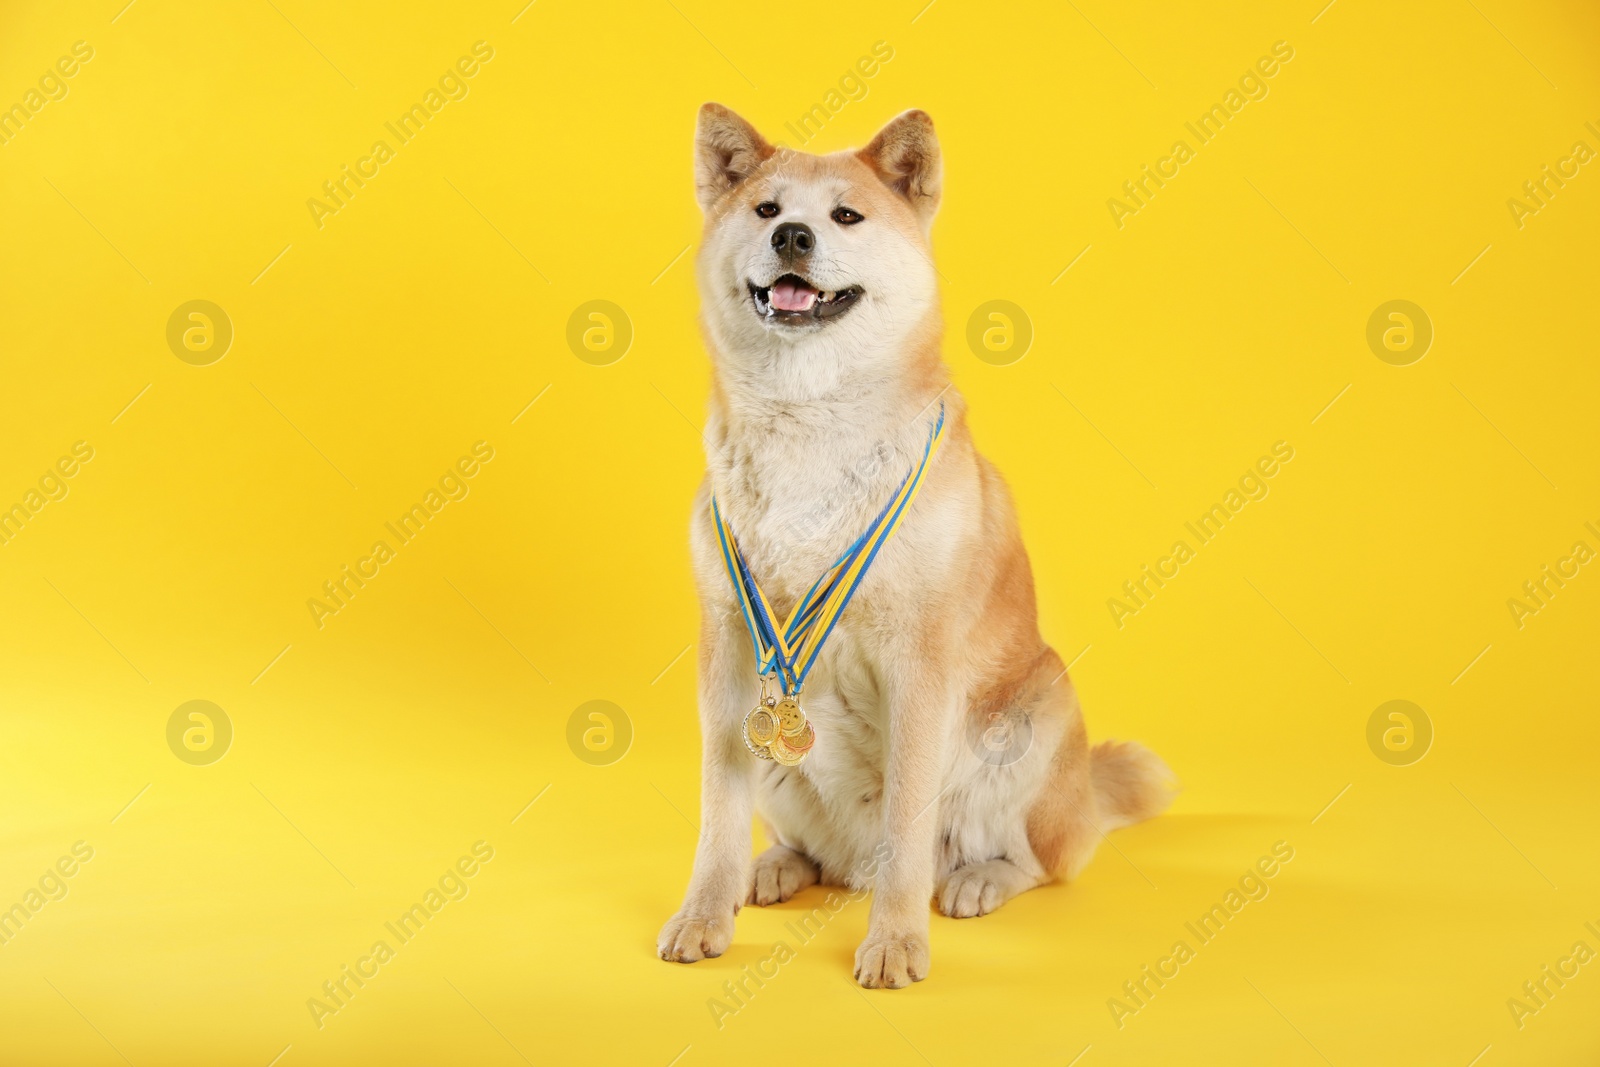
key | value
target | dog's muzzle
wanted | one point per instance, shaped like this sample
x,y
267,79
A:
x,y
792,301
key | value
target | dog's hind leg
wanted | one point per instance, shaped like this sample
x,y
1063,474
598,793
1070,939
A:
x,y
1091,791
979,888
779,873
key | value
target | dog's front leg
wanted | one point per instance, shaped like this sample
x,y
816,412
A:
x,y
703,927
921,716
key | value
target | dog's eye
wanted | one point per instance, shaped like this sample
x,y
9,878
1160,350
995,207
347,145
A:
x,y
767,210
845,217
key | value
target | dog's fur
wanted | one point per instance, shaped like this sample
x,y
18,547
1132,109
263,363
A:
x,y
812,427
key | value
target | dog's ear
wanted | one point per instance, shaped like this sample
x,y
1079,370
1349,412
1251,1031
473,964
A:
x,y
727,150
905,155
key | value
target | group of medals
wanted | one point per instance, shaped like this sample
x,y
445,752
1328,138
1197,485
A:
x,y
777,730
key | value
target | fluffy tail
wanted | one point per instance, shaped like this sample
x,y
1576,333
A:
x,y
1131,783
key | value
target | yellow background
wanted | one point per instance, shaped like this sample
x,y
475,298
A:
x,y
430,711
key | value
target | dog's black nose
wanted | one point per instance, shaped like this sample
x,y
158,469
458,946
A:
x,y
793,240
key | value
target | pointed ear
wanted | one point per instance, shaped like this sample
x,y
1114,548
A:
x,y
727,150
905,155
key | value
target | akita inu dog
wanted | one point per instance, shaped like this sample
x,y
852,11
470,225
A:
x,y
948,758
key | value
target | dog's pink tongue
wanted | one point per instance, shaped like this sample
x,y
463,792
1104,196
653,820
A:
x,y
787,296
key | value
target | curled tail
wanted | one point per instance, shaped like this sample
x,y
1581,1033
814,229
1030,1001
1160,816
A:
x,y
1131,783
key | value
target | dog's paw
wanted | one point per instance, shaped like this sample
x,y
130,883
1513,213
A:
x,y
690,938
779,874
978,889
891,961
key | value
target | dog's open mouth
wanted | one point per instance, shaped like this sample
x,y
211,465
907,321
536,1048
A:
x,y
793,301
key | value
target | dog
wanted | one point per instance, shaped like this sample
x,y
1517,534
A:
x,y
950,760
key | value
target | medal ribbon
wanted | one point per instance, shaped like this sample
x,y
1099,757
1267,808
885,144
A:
x,y
791,650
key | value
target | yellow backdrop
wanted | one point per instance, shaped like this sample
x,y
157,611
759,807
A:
x,y
285,281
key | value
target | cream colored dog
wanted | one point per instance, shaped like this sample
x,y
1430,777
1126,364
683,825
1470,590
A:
x,y
950,760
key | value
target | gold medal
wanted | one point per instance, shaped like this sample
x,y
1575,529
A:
x,y
760,727
782,753
790,717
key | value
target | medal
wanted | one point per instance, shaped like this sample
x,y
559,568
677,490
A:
x,y
790,717
793,742
776,728
782,753
760,729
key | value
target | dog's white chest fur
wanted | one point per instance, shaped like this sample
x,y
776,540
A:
x,y
799,484
797,499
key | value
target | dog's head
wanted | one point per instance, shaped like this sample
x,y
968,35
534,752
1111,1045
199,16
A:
x,y
815,269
